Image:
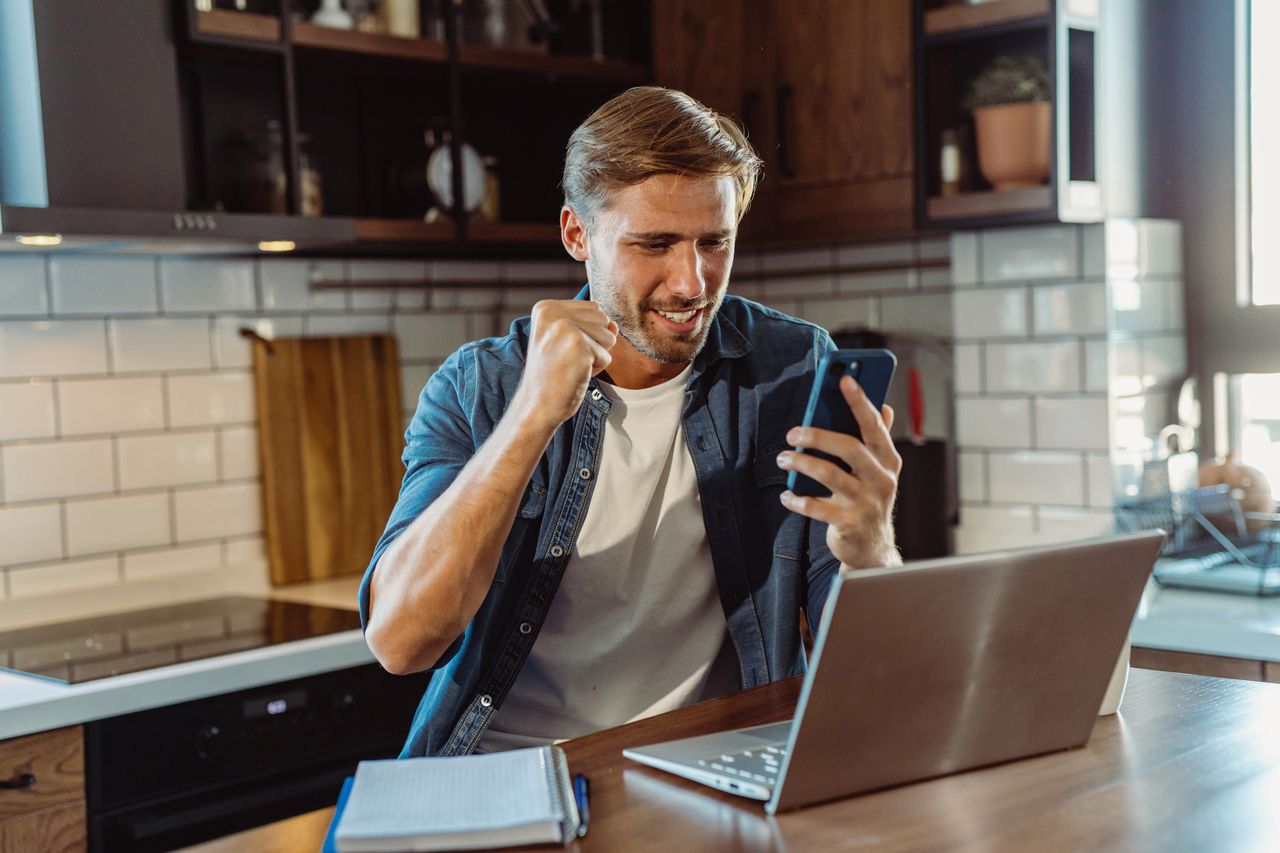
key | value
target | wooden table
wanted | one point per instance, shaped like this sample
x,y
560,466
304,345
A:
x,y
1190,763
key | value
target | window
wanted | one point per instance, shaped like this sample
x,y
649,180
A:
x,y
1254,422
1264,143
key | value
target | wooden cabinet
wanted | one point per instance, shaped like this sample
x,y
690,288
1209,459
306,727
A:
x,y
824,89
47,814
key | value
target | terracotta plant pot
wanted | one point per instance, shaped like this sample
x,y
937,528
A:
x,y
1013,144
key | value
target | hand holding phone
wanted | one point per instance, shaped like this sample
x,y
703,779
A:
x,y
827,409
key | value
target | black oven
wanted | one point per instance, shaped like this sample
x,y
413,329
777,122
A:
x,y
186,773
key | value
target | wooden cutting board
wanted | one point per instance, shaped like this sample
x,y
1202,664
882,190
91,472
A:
x,y
330,435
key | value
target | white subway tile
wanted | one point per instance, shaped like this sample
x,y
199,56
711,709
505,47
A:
x,y
965,258
1143,306
1175,309
865,282
412,299
57,469
117,523
117,404
1160,247
1126,366
250,550
1069,309
348,324
989,313
993,422
233,350
22,290
428,335
481,272
211,399
1122,248
52,348
938,277
837,314
933,248
1034,367
867,254
174,459
753,290
413,378
30,533
994,528
968,368
549,271
161,343
290,285
792,286
1072,423
1093,240
63,577
26,410
200,284
238,449
804,259
102,285
481,325
523,297
1101,492
785,306
973,475
1164,359
1014,254
1070,525
208,513
370,298
928,314
1036,477
1095,365
473,297
169,562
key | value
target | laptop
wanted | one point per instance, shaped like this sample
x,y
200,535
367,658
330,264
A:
x,y
935,667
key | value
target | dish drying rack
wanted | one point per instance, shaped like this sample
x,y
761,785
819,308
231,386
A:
x,y
1210,542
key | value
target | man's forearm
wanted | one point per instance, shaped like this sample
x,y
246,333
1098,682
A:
x,y
432,579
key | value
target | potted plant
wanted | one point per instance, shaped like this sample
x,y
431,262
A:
x,y
1010,103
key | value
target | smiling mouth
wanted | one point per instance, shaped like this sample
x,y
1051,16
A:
x,y
679,316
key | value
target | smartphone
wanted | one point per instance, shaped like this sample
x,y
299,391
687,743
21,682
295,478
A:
x,y
827,409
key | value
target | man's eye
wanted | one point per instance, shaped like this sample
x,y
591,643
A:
x,y
655,247
715,245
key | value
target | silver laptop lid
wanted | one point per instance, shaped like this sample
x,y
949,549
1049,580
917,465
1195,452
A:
x,y
944,665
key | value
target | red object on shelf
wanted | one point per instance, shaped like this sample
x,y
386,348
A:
x,y
916,404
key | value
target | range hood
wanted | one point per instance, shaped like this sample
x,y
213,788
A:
x,y
92,140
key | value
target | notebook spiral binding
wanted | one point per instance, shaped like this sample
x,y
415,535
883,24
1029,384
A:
x,y
561,787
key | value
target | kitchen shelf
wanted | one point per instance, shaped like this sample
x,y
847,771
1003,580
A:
x,y
954,19
405,230
314,36
482,56
991,203
514,232
244,26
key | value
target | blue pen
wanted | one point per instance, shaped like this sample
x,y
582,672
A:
x,y
582,793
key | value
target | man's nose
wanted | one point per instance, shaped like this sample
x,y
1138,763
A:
x,y
688,279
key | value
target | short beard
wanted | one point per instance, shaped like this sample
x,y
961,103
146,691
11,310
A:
x,y
635,326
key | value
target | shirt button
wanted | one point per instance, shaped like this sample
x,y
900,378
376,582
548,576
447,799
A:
x,y
557,551
585,473
486,700
595,394
526,628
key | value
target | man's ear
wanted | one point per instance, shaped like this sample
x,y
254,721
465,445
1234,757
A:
x,y
573,233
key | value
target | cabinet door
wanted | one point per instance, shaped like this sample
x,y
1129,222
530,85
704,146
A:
x,y
48,814
842,95
720,52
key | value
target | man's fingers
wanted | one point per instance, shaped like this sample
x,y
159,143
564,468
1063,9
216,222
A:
x,y
865,464
827,473
819,509
886,411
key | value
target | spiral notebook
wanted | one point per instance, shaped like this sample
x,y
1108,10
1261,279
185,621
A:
x,y
465,803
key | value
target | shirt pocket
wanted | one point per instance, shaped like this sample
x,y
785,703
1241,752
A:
x,y
524,530
785,528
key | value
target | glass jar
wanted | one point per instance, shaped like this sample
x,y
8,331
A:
x,y
312,195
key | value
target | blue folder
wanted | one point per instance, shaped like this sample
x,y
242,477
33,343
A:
x,y
330,842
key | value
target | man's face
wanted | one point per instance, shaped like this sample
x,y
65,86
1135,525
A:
x,y
658,263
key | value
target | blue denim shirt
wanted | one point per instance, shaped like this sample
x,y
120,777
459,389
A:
x,y
748,386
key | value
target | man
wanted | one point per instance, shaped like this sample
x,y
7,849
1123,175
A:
x,y
592,526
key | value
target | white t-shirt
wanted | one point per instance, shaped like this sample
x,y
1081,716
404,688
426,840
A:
x,y
636,627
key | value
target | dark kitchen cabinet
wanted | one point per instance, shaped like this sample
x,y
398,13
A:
x,y
824,89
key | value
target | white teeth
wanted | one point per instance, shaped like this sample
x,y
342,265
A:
x,y
680,317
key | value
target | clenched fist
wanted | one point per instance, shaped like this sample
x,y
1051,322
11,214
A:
x,y
569,343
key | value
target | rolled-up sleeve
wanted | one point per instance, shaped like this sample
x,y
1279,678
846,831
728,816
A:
x,y
438,442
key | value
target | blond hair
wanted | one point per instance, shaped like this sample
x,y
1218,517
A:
x,y
649,130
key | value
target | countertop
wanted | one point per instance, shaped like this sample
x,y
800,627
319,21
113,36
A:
x,y
1209,623
29,704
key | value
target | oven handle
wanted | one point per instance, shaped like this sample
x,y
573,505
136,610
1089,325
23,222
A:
x,y
143,823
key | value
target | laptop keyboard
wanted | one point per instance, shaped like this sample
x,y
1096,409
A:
x,y
758,764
